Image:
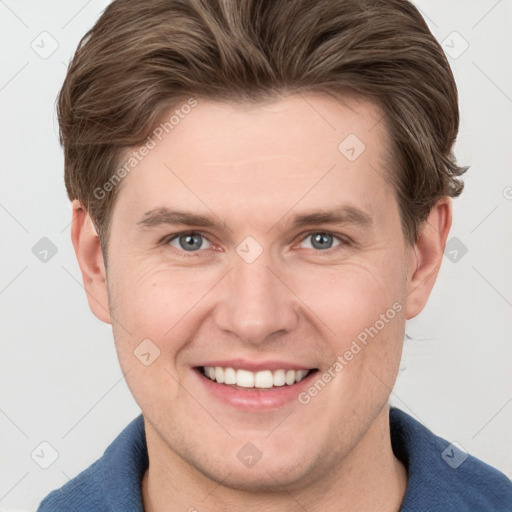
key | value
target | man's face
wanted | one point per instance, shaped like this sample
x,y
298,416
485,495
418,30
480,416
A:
x,y
258,291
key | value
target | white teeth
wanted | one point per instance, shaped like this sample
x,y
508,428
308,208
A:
x,y
300,374
219,375
229,376
279,378
244,379
262,380
290,377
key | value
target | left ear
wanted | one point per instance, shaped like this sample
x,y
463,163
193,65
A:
x,y
426,256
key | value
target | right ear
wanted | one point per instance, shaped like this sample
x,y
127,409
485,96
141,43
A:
x,y
90,259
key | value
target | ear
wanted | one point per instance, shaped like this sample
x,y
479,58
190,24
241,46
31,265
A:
x,y
90,259
426,256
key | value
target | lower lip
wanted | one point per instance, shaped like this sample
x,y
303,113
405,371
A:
x,y
253,399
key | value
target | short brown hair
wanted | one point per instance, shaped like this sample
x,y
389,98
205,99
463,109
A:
x,y
144,56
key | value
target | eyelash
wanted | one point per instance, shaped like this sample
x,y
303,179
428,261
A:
x,y
343,239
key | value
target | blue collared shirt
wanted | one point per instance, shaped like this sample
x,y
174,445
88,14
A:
x,y
441,478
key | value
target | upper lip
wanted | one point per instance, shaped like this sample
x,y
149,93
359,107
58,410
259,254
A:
x,y
255,366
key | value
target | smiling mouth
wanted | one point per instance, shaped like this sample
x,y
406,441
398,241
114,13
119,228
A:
x,y
246,380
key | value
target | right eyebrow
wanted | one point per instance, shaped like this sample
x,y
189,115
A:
x,y
160,216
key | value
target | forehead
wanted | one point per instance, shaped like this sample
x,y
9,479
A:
x,y
306,148
322,121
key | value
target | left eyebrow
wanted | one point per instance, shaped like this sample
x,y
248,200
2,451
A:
x,y
344,214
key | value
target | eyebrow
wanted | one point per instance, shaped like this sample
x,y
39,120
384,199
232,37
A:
x,y
344,214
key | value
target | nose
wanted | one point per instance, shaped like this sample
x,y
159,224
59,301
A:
x,y
255,304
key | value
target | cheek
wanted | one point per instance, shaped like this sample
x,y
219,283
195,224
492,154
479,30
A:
x,y
351,298
153,300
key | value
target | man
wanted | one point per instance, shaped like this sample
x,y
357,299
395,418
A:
x,y
261,199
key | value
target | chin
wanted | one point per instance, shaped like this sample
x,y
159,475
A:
x,y
265,476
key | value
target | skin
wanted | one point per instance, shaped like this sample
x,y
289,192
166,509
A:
x,y
255,167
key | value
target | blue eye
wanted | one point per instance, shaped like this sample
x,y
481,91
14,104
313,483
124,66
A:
x,y
189,242
321,240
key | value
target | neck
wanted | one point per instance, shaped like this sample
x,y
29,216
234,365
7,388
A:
x,y
368,478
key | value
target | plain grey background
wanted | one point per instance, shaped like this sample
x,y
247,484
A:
x,y
60,380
